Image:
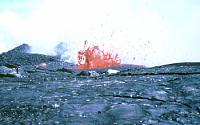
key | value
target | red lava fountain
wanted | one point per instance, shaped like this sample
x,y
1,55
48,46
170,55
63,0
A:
x,y
92,57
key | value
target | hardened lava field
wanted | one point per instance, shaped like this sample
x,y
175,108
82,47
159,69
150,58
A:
x,y
59,93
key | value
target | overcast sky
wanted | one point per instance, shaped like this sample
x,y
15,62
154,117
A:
x,y
144,32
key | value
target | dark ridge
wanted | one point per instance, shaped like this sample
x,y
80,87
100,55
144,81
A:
x,y
25,59
180,64
20,56
148,98
65,70
11,66
7,75
162,73
24,48
137,97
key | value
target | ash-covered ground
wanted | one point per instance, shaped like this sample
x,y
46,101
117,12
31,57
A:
x,y
59,93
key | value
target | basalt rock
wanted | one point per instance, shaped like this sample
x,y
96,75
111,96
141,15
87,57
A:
x,y
21,56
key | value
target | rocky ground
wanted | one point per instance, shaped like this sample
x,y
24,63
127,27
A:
x,y
40,89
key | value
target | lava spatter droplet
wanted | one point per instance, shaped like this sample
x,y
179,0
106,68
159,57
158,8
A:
x,y
92,57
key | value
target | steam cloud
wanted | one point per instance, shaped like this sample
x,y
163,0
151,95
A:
x,y
138,33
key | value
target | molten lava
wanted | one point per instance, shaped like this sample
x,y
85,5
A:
x,y
94,58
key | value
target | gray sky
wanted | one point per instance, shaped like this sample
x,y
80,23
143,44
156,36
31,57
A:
x,y
144,32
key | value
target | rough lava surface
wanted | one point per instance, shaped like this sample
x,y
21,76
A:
x,y
41,89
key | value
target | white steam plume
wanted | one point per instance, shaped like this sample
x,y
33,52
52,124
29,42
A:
x,y
140,35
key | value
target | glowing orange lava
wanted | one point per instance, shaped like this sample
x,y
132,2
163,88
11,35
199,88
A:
x,y
94,58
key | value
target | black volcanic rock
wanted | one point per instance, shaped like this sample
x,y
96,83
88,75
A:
x,y
52,95
65,70
21,56
60,93
24,48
